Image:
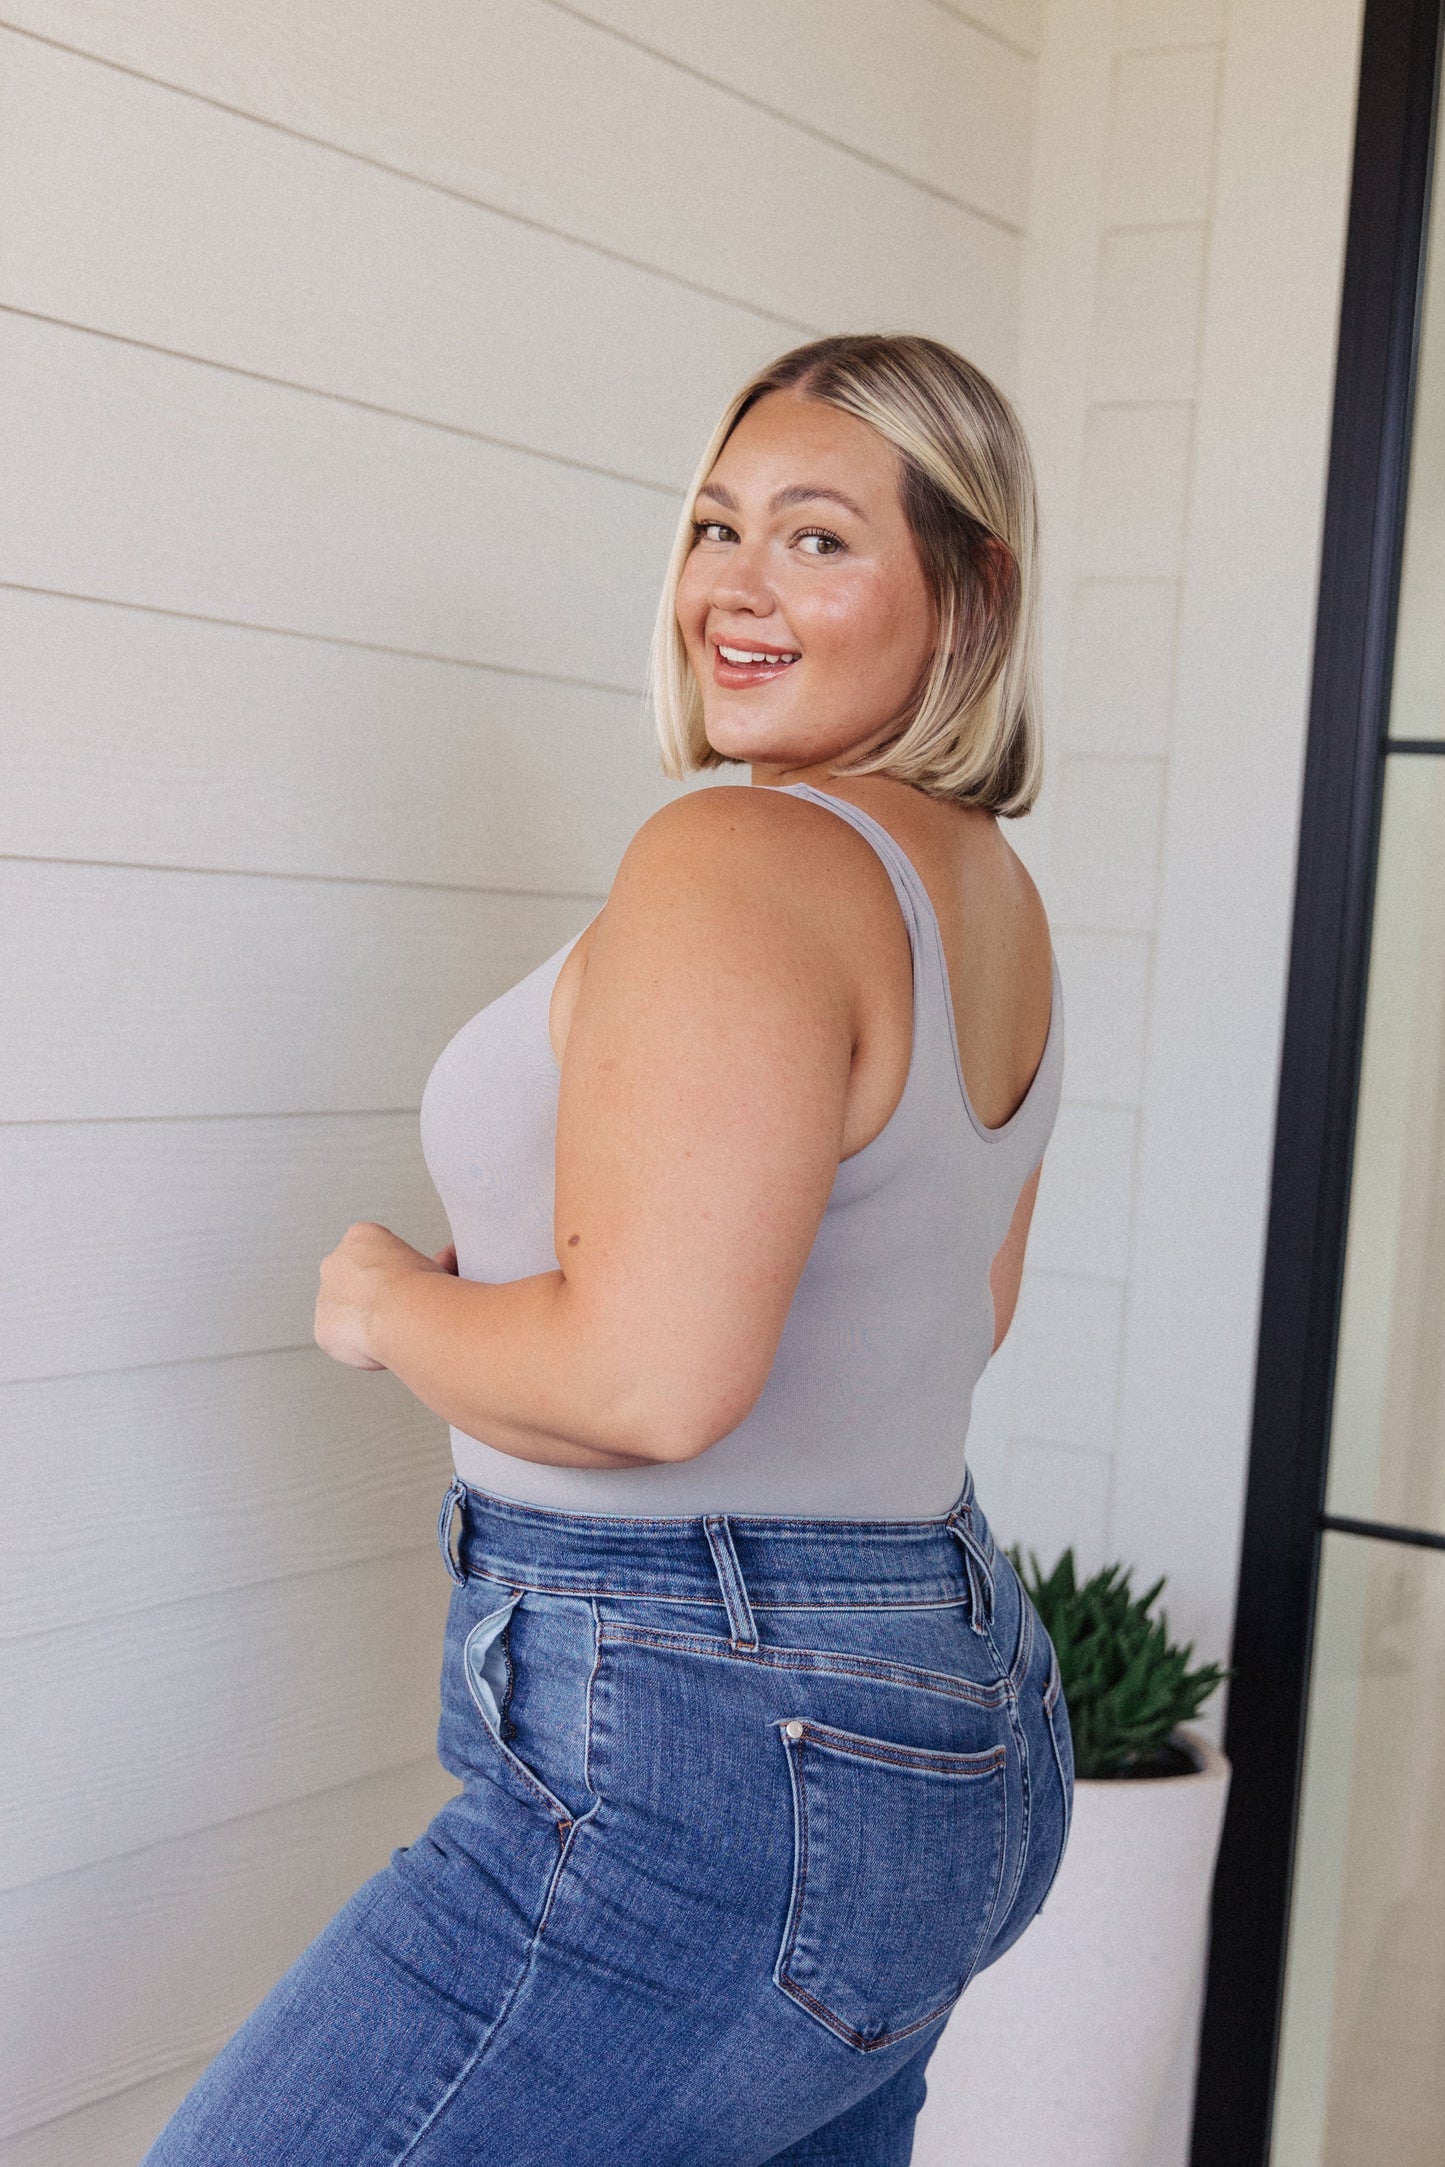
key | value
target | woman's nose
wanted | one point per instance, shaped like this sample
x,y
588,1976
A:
x,y
741,581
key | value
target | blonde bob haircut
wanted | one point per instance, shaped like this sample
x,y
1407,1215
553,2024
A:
x,y
971,730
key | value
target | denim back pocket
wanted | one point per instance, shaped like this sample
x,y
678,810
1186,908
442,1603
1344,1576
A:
x,y
898,1858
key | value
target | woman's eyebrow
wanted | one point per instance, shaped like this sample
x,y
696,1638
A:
x,y
793,493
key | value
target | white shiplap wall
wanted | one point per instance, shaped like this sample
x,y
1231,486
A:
x,y
1176,358
352,363
1179,315
1123,212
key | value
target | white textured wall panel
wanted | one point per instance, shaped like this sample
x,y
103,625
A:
x,y
142,478
535,112
251,751
139,1728
1161,153
881,75
162,1241
1150,309
128,993
296,264
1118,693
141,1965
352,361
194,1478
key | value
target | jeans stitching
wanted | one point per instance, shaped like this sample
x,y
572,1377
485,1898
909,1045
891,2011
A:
x,y
1053,1694
506,1574
1008,1681
1023,1656
800,1862
456,1491
992,1927
587,1709
800,1993
569,1833
852,1745
1024,1653
730,1579
814,1660
524,1970
845,2031
554,1807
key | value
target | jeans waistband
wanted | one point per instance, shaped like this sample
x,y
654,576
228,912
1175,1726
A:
x,y
746,1561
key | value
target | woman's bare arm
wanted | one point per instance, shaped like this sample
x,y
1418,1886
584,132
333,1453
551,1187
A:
x,y
699,1126
1006,1270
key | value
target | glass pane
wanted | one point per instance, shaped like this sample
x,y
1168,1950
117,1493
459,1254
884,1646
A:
x,y
1362,2069
1387,1446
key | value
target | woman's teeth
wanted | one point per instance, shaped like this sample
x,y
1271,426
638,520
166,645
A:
x,y
748,654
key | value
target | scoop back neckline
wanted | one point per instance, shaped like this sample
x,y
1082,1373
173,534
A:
x,y
921,896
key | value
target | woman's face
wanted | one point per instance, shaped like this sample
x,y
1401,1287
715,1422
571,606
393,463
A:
x,y
802,555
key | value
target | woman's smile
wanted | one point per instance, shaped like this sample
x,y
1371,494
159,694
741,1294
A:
x,y
738,663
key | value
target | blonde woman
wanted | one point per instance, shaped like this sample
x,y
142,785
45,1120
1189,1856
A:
x,y
761,1746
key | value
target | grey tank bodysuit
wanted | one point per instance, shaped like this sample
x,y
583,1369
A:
x,y
865,1412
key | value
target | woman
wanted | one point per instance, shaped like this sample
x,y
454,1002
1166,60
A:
x,y
761,1745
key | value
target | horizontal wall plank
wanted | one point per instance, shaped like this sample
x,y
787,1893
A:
x,y
904,81
114,2132
157,740
144,1964
157,1723
138,1242
127,994
142,478
294,262
517,106
1017,22
153,1486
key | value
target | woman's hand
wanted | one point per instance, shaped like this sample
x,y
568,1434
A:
x,y
355,1278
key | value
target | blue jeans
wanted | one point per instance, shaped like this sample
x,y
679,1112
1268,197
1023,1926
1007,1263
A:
x,y
745,1804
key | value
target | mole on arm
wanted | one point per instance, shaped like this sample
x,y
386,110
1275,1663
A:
x,y
572,1240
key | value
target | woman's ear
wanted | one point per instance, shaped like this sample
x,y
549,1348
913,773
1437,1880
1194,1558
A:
x,y
999,571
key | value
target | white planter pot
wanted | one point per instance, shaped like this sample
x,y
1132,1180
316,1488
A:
x,y
1064,2048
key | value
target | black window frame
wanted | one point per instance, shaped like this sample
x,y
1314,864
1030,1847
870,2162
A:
x,y
1285,1516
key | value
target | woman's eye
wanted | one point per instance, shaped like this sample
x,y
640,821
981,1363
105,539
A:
x,y
821,534
708,529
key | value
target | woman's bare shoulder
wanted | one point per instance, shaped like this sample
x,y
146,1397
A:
x,y
750,813
1028,901
753,853
746,877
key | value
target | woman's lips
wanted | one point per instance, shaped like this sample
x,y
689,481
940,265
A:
x,y
735,674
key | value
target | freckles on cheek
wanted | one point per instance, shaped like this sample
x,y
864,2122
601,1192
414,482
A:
x,y
689,609
855,611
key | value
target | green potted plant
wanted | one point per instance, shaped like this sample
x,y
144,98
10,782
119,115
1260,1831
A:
x,y
1127,1686
1066,2047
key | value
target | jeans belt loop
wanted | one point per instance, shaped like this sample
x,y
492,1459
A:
x,y
977,1570
985,1566
741,1626
456,1493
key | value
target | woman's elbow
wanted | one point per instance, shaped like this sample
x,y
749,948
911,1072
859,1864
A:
x,y
670,1425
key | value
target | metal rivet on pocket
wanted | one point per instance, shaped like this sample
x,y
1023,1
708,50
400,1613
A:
x,y
792,1730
